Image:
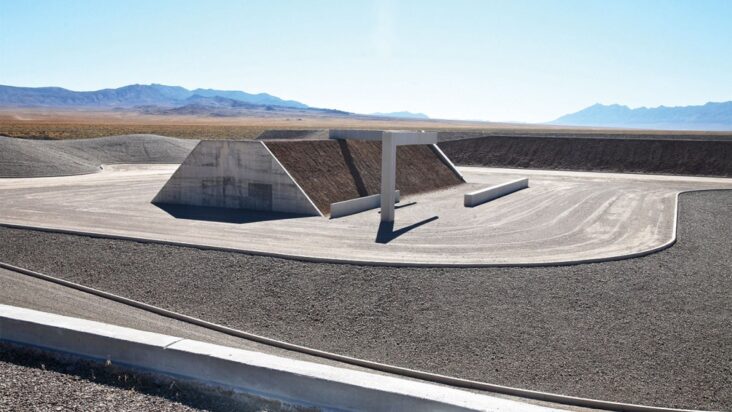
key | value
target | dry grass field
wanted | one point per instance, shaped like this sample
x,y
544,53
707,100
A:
x,y
46,124
69,124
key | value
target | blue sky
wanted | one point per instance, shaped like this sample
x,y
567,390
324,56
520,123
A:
x,y
513,60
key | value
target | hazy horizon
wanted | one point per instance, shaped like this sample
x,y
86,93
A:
x,y
496,61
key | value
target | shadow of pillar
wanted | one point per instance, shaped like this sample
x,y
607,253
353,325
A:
x,y
387,233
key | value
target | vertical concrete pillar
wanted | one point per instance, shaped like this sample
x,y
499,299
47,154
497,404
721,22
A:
x,y
388,176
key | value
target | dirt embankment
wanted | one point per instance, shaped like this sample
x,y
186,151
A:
x,y
676,156
285,134
331,171
36,158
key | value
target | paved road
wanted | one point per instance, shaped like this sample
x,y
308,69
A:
x,y
28,292
562,217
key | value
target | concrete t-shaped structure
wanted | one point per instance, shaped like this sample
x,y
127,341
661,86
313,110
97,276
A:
x,y
389,139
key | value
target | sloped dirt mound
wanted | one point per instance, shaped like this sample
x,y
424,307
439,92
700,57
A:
x,y
36,158
707,157
32,158
293,134
331,171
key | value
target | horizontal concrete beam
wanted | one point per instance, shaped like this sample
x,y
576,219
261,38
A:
x,y
401,137
290,381
359,204
483,195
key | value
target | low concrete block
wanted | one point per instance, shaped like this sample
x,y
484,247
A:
x,y
359,204
484,195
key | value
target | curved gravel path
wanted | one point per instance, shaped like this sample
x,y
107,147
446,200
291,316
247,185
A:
x,y
653,330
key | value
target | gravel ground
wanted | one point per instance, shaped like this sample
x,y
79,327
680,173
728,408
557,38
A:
x,y
654,330
34,158
40,381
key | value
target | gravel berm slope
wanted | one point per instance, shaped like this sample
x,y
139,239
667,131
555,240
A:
x,y
653,330
674,156
36,158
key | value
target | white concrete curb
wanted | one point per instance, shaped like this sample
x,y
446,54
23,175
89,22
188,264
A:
x,y
357,205
273,377
481,196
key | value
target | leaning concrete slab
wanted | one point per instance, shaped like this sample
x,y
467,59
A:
x,y
293,382
481,196
237,175
359,204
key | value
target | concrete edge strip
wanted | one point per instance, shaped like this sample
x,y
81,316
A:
x,y
397,370
298,382
358,204
264,144
447,160
478,197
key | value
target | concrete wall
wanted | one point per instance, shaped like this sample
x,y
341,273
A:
x,y
237,175
481,196
359,204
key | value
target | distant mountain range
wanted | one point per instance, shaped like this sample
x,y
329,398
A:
x,y
132,96
402,115
711,116
217,106
158,99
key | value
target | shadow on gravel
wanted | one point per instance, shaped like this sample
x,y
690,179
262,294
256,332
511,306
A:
x,y
387,233
405,205
217,214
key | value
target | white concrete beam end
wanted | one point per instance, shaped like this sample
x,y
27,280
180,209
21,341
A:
x,y
359,204
478,197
